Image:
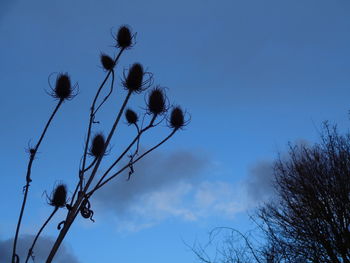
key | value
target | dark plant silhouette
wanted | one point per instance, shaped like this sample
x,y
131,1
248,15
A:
x,y
308,220
311,218
135,81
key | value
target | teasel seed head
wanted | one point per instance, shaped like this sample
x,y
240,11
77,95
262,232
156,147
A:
x,y
177,119
107,62
124,37
97,148
157,101
63,88
134,80
59,196
131,116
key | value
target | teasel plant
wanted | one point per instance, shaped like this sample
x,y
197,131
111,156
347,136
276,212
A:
x,y
91,177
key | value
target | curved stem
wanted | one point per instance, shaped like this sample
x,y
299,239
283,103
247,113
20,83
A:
x,y
108,140
30,251
109,93
136,139
75,209
128,165
80,178
91,121
92,164
28,179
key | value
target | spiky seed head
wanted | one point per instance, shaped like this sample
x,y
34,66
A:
x,y
124,37
59,196
98,145
107,62
134,80
131,116
63,88
156,101
177,119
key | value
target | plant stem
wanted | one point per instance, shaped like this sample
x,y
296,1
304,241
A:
x,y
136,139
75,209
28,179
30,251
128,165
91,120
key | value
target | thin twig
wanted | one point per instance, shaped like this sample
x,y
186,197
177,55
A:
x,y
109,94
28,178
136,139
30,251
128,165
75,209
81,178
91,121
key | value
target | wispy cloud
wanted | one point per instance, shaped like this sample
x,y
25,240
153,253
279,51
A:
x,y
186,201
152,174
179,185
169,185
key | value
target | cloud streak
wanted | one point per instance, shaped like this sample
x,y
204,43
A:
x,y
176,185
168,185
155,172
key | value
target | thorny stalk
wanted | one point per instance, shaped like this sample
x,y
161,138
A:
x,y
136,139
30,251
33,152
134,83
74,212
132,163
75,209
92,120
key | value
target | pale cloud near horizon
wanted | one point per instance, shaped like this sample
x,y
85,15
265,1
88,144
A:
x,y
184,201
175,185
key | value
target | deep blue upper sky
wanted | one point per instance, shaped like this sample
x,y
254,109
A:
x,y
253,75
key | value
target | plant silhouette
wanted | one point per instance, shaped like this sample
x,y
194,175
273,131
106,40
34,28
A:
x,y
135,81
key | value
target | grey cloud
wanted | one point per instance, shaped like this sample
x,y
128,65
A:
x,y
156,171
41,250
259,182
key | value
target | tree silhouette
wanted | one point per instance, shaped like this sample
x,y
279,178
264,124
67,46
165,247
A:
x,y
309,218
135,81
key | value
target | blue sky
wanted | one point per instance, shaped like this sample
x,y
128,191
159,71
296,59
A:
x,y
253,74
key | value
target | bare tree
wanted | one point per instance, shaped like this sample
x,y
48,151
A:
x,y
311,217
229,245
308,220
91,177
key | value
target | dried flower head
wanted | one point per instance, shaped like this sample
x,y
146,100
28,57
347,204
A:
x,y
134,81
97,148
107,62
63,89
157,101
177,119
124,37
131,116
58,197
